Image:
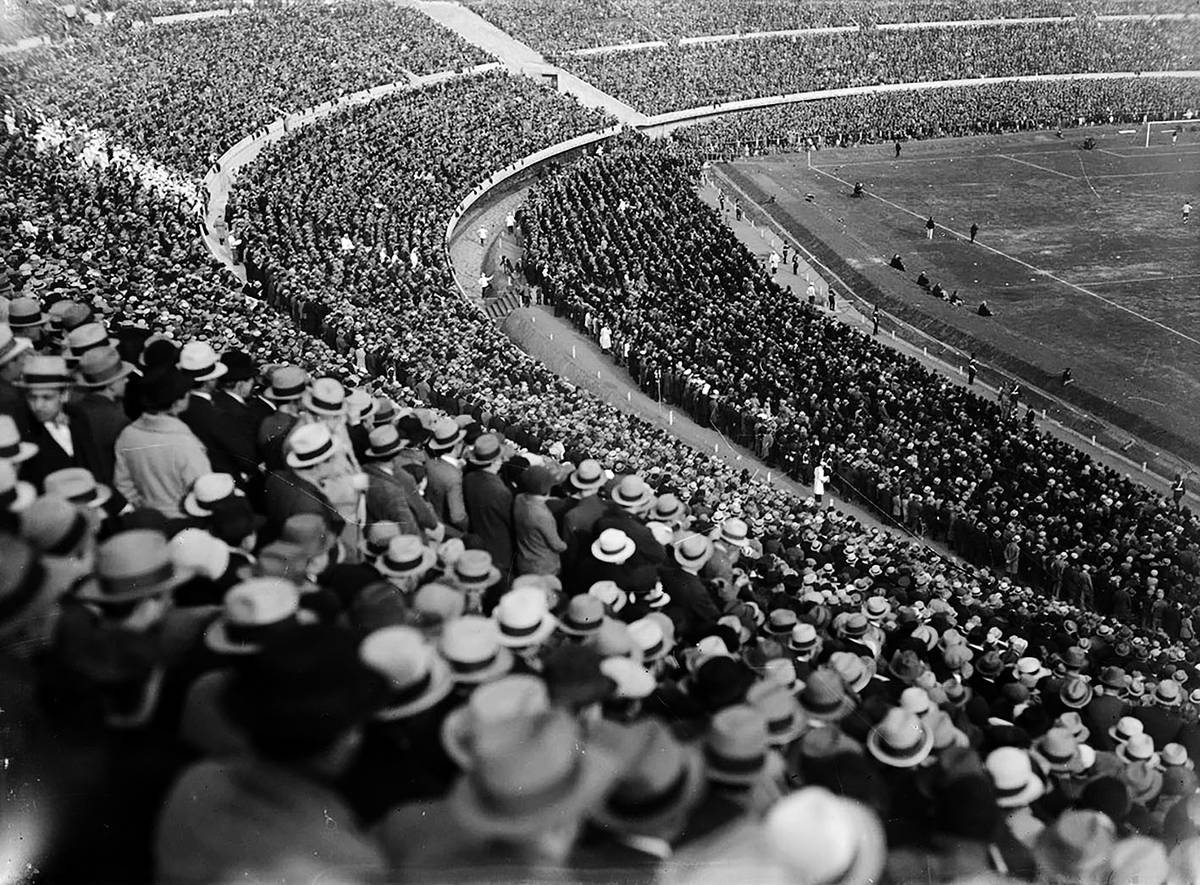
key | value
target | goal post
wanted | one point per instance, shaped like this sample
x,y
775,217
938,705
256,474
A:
x,y
1166,127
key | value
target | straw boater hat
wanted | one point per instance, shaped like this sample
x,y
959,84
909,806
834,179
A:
x,y
77,485
131,566
668,509
777,703
471,646
901,740
325,396
660,790
732,531
310,445
407,556
813,835
824,697
531,776
200,362
587,477
614,546
474,570
207,491
486,450
384,443
255,610
44,373
632,494
1139,748
693,552
1011,771
447,433
417,677
651,638
737,747
583,617
26,313
86,338
288,384
101,367
52,525
490,708
524,618
1058,752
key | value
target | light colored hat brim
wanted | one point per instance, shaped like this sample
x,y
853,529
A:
x,y
295,462
493,576
1031,793
549,625
218,370
876,749
694,787
596,773
306,400
103,496
500,666
440,685
25,451
191,506
626,551
442,446
125,371
428,560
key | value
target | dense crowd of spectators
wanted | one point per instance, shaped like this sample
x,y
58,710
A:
x,y
558,26
660,80
183,94
277,626
702,324
320,579
940,113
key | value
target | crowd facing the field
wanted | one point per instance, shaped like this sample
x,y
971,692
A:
x,y
942,113
320,578
774,370
660,80
183,94
563,26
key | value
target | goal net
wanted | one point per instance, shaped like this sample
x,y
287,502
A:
x,y
1157,132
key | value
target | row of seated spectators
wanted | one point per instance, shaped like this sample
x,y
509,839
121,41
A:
x,y
660,80
557,26
939,113
277,629
624,238
183,94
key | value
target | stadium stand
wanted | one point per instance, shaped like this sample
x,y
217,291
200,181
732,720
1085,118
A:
x,y
320,578
659,80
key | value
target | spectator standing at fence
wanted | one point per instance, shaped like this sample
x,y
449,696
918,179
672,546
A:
x,y
972,370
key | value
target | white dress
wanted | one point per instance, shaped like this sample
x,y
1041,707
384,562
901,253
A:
x,y
819,481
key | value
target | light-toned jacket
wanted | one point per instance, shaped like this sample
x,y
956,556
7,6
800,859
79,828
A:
x,y
157,459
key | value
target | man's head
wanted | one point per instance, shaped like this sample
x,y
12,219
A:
x,y
47,385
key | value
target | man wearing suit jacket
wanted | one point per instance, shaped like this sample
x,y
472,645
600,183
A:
x,y
46,384
489,501
288,384
229,448
233,402
392,494
444,479
99,409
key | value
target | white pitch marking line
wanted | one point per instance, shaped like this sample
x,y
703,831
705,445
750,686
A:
x,y
1022,262
1178,276
1037,166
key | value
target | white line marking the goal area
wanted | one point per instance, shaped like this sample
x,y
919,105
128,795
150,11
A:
x,y
1045,273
